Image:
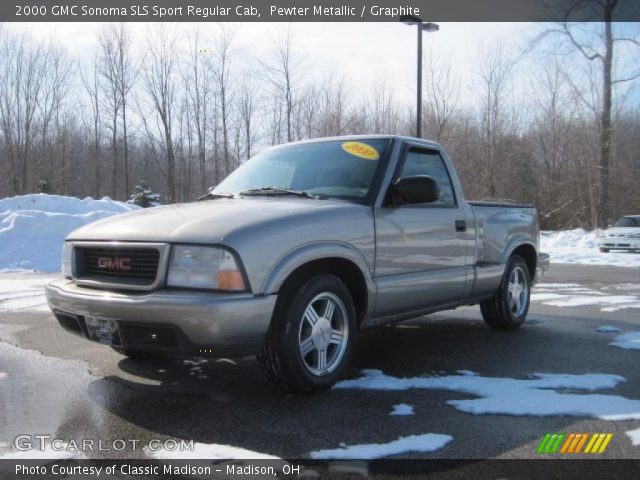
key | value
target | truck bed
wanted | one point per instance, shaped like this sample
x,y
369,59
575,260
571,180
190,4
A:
x,y
492,203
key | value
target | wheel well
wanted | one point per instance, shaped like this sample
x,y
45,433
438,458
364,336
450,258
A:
x,y
528,252
345,270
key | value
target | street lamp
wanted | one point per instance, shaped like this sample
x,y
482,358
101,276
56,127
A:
x,y
422,27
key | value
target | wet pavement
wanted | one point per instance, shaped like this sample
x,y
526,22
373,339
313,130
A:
x,y
60,385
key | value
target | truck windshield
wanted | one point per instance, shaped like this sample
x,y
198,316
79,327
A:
x,y
343,169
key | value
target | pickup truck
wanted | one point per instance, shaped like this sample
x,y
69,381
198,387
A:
x,y
296,251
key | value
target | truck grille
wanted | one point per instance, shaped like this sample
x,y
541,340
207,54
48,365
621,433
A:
x,y
120,265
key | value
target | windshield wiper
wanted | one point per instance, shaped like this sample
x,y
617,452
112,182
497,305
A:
x,y
280,191
214,195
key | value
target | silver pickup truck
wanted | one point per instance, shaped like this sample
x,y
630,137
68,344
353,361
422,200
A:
x,y
292,254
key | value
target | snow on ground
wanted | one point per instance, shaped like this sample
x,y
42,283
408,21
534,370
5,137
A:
x,y
208,451
634,435
411,444
629,341
580,246
33,227
536,396
23,294
607,329
399,410
574,295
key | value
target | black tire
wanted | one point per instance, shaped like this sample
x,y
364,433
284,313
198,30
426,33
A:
x,y
604,250
281,358
498,312
135,355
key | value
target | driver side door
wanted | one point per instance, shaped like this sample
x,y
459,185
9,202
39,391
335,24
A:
x,y
421,248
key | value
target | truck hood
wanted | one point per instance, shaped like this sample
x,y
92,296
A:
x,y
208,221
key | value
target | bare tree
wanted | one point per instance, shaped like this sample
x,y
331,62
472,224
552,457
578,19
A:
x,y
224,53
283,71
160,84
110,95
52,111
91,83
598,47
198,78
247,104
20,94
381,109
442,92
494,69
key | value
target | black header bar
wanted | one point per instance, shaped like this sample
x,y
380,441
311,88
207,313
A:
x,y
317,11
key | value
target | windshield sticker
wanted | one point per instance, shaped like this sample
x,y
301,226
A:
x,y
361,150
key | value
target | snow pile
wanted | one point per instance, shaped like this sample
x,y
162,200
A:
x,y
33,227
23,294
411,444
629,341
401,410
510,396
580,246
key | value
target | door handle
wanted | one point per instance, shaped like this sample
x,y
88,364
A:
x,y
461,226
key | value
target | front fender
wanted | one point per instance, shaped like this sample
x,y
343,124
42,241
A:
x,y
318,251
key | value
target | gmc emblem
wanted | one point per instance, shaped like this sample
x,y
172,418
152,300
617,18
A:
x,y
122,264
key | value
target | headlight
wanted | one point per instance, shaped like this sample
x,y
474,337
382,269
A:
x,y
600,235
67,251
634,235
204,267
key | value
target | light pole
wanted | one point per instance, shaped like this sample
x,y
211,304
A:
x,y
421,27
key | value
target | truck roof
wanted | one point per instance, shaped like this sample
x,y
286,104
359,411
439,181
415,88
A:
x,y
347,138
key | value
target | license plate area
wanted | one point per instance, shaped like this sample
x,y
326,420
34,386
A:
x,y
103,330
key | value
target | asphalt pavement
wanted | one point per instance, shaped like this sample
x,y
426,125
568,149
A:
x,y
72,389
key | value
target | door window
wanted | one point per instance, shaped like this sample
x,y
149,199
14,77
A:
x,y
420,162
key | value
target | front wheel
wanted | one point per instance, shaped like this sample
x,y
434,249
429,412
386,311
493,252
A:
x,y
509,306
604,250
310,342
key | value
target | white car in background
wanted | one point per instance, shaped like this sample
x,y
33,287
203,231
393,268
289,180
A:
x,y
623,235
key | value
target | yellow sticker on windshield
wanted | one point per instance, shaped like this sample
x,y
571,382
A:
x,y
361,150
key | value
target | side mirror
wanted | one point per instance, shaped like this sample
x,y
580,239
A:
x,y
415,189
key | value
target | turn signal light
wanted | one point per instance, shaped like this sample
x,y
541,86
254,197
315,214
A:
x,y
230,280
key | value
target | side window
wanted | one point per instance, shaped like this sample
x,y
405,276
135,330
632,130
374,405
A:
x,y
419,162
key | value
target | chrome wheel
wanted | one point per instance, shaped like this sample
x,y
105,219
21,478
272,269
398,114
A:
x,y
518,291
323,334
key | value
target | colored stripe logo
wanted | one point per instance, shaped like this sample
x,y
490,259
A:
x,y
572,443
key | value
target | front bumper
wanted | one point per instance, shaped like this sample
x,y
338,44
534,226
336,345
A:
x,y
619,243
542,265
169,321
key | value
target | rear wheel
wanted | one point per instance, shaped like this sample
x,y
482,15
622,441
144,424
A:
x,y
509,306
310,341
604,250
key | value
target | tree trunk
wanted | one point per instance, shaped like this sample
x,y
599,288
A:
x,y
605,120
